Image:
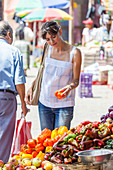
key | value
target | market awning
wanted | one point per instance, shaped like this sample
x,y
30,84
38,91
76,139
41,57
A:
x,y
20,5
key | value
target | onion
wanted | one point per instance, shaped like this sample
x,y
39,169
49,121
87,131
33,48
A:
x,y
102,117
103,120
110,109
111,114
107,115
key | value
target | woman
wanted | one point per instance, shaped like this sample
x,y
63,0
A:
x,y
61,71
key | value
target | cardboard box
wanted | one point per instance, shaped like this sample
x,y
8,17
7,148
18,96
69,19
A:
x,y
103,76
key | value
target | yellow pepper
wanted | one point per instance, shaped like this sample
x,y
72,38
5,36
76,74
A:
x,y
48,149
54,133
62,129
40,155
27,156
17,157
112,136
21,153
69,131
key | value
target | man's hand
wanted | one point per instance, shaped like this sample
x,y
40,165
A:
x,y
25,110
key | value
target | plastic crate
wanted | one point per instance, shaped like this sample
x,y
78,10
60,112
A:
x,y
85,86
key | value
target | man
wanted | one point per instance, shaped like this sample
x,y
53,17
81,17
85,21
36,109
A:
x,y
12,81
89,32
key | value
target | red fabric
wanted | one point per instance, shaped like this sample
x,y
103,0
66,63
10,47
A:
x,y
99,83
22,134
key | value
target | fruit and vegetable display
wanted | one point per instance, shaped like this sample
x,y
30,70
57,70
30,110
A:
x,y
21,164
61,145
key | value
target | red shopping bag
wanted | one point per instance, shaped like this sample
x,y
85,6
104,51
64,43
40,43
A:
x,y
22,134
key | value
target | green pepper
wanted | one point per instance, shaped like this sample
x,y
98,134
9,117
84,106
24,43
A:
x,y
69,136
108,141
109,147
73,142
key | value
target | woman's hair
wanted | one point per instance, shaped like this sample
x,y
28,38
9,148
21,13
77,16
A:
x,y
20,32
50,27
4,28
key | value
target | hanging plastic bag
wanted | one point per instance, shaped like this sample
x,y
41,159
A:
x,y
22,134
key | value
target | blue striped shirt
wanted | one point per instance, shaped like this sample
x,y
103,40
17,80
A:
x,y
11,66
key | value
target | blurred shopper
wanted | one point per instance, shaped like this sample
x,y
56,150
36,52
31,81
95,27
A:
x,y
111,32
12,81
102,32
89,32
23,37
61,71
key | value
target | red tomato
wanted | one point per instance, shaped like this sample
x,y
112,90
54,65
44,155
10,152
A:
x,y
59,94
32,143
34,153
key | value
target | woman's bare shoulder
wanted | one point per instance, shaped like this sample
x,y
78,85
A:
x,y
77,51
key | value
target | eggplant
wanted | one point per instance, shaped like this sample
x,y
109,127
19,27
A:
x,y
55,159
98,142
66,153
68,160
86,144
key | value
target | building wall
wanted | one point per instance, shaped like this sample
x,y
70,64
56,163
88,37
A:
x,y
9,17
1,9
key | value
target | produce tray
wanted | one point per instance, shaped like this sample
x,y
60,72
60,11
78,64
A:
x,y
80,166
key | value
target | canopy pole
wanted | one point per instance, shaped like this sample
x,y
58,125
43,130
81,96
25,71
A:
x,y
71,22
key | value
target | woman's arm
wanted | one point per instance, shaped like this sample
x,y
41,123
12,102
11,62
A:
x,y
83,41
77,59
30,93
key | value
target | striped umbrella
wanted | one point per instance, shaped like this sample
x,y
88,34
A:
x,y
46,14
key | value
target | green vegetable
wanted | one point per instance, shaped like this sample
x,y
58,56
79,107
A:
x,y
63,143
64,151
109,142
70,156
69,136
108,146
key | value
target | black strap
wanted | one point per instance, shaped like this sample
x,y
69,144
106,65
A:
x,y
7,90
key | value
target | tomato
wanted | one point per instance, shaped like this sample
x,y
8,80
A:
x,y
57,138
34,154
39,147
32,143
59,94
26,149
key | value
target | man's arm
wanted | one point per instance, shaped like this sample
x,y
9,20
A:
x,y
21,91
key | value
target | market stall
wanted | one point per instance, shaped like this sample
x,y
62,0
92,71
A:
x,y
62,148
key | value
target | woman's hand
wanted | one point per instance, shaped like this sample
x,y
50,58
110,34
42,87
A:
x,y
29,96
64,92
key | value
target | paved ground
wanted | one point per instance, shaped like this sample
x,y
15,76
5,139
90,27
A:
x,y
85,109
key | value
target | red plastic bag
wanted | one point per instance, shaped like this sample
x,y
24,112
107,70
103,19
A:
x,y
22,134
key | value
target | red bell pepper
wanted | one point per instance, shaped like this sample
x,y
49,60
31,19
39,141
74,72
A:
x,y
95,124
85,123
88,132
